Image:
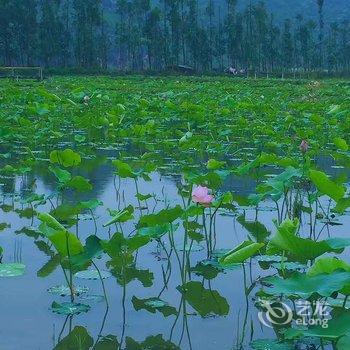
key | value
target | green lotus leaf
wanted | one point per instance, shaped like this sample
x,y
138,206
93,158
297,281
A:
x,y
304,286
12,269
92,204
327,266
64,290
69,308
92,250
154,231
163,217
327,186
286,241
80,184
78,338
123,169
337,327
50,221
50,266
241,253
255,228
67,158
344,343
121,216
66,243
63,176
341,144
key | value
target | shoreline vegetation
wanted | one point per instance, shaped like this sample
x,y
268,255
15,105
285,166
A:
x,y
29,73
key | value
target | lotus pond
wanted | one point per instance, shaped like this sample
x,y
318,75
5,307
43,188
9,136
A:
x,y
174,213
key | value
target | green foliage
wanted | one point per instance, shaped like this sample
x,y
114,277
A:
x,y
304,286
241,253
338,327
327,186
67,158
78,338
301,249
243,143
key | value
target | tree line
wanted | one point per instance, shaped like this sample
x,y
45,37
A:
x,y
139,35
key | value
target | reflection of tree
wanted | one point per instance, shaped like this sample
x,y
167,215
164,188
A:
x,y
79,338
96,170
7,185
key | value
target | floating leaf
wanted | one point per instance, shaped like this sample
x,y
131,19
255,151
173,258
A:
x,y
11,269
92,274
64,290
69,308
152,305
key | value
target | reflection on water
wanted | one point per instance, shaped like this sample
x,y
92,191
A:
x,y
146,307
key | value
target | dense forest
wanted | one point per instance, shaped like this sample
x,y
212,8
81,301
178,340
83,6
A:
x,y
138,35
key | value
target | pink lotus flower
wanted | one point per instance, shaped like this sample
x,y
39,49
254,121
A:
x,y
201,195
304,146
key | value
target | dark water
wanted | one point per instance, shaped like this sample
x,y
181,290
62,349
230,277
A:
x,y
26,321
